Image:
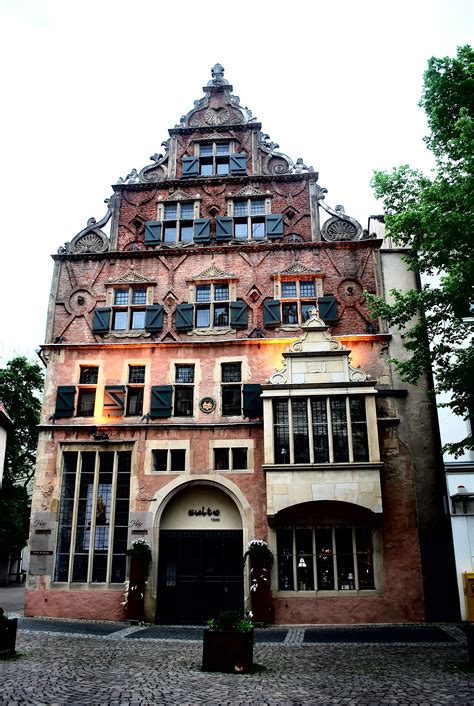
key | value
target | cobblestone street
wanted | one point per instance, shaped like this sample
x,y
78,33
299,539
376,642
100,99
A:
x,y
74,668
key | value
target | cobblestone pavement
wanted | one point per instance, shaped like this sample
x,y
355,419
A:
x,y
60,668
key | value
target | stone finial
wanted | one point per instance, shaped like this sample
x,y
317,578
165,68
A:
x,y
217,73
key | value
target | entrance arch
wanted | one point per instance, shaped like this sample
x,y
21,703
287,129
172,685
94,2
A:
x,y
200,549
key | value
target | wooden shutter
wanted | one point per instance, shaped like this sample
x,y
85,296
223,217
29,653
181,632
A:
x,y
160,403
238,314
190,166
238,164
224,228
327,308
184,317
271,312
274,223
154,318
65,401
101,319
202,230
252,405
152,232
114,400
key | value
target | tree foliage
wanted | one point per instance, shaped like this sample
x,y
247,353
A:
x,y
21,383
432,216
14,518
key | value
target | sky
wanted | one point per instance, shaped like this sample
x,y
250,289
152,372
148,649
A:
x,y
90,90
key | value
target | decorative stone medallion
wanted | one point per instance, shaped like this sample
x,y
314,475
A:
x,y
207,405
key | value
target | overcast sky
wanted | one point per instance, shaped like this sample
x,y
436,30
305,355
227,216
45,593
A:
x,y
91,88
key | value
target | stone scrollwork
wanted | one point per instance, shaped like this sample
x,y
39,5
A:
x,y
279,377
357,374
340,227
158,170
91,239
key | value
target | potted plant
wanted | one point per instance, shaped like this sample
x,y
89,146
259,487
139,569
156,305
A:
x,y
140,557
228,644
261,560
8,630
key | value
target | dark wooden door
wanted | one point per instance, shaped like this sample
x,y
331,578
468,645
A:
x,y
200,573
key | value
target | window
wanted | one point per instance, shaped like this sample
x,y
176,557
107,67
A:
x,y
88,377
170,460
249,219
326,557
230,459
297,300
212,305
231,389
178,222
93,517
320,430
136,386
184,390
129,309
214,158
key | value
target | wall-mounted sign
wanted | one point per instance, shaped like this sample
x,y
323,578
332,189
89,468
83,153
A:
x,y
207,405
204,512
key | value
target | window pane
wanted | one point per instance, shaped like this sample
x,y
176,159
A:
x,y
365,557
240,230
285,559
136,374
186,233
359,429
121,296
88,376
300,431
239,458
307,289
282,441
231,400
288,289
345,558
306,309
203,293
223,148
320,430
205,168
135,401
169,234
183,401
160,458
289,313
178,459
203,317
240,208
138,319
205,150
231,372
339,429
304,557
187,210
221,315
120,320
258,230
221,459
85,405
258,207
184,373
222,167
139,296
221,292
324,558
171,211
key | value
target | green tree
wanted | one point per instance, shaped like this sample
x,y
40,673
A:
x,y
432,216
21,383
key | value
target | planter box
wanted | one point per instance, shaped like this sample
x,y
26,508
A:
x,y
227,651
8,629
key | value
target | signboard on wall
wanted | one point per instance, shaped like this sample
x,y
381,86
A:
x,y
42,541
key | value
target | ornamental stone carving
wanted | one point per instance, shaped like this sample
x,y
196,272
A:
x,y
91,239
214,272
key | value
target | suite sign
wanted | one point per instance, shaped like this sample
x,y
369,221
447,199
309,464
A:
x,y
214,514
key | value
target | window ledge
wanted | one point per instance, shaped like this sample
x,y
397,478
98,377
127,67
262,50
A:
x,y
355,466
362,593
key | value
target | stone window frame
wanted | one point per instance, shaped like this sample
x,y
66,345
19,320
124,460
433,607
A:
x,y
129,307
193,291
298,300
249,218
230,445
178,221
134,388
86,388
214,159
182,385
167,445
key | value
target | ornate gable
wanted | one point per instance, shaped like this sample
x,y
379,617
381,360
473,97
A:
x,y
214,272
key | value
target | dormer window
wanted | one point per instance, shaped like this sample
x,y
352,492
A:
x,y
214,158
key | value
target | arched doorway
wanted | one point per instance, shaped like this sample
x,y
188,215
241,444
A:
x,y
200,549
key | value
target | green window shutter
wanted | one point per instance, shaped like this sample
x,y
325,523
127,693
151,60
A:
x,y
190,166
160,403
154,318
271,312
65,401
274,223
252,405
224,228
184,317
327,308
238,164
153,233
238,314
114,400
202,230
101,319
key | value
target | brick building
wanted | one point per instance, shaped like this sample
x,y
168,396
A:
x,y
213,376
